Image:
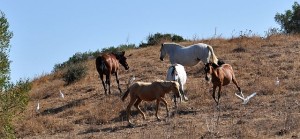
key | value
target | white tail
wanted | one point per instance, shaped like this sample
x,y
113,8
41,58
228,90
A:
x,y
213,56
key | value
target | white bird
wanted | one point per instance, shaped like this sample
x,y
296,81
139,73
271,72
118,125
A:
x,y
277,81
38,107
246,100
61,94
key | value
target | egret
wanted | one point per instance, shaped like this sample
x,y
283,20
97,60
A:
x,y
61,94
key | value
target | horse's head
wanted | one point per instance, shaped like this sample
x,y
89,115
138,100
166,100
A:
x,y
174,73
176,89
208,69
122,59
162,52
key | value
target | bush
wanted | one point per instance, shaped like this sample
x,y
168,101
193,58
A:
x,y
158,38
80,57
75,59
74,73
12,102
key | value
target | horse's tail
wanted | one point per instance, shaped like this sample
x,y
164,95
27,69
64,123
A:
x,y
125,95
100,64
214,57
130,81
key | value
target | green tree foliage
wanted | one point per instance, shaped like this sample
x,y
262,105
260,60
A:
x,y
13,97
5,36
290,20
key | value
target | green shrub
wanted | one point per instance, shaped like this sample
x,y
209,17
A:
x,y
158,38
74,73
12,102
80,57
76,58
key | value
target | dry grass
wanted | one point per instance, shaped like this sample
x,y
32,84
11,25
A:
x,y
86,113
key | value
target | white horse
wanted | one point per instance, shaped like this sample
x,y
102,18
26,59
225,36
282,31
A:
x,y
188,56
177,73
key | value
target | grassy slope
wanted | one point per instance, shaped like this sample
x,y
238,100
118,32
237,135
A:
x,y
87,113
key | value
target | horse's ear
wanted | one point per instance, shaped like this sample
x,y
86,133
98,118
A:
x,y
123,53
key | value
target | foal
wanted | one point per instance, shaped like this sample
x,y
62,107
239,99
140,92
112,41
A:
x,y
149,91
108,64
220,75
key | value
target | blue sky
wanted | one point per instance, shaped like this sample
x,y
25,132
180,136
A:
x,y
49,32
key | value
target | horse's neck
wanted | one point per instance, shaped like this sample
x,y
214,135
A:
x,y
173,48
216,72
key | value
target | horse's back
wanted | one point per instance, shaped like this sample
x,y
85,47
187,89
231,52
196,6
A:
x,y
228,73
147,91
227,67
107,61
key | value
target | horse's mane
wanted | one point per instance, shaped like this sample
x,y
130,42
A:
x,y
172,43
220,63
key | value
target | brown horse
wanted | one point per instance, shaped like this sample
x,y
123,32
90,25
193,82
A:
x,y
149,91
108,64
220,75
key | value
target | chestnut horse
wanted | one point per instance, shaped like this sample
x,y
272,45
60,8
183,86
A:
x,y
149,91
108,64
220,75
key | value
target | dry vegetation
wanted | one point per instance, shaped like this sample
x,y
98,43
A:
x,y
86,112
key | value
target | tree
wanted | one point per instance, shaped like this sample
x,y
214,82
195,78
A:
x,y
5,36
290,20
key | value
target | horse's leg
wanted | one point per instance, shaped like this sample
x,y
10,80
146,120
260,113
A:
x,y
104,85
175,101
132,100
157,105
108,82
117,78
136,104
236,84
166,104
213,94
219,93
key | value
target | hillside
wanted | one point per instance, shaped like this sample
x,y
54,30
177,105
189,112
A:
x,y
86,112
